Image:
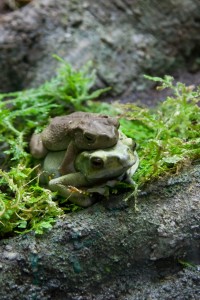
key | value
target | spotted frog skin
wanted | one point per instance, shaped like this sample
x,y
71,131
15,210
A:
x,y
74,133
94,170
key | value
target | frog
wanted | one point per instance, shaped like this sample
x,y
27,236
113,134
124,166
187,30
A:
x,y
74,133
95,171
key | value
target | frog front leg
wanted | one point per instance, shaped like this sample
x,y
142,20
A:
x,y
67,165
64,185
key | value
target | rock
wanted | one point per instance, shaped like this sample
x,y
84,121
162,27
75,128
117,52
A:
x,y
88,253
124,39
184,285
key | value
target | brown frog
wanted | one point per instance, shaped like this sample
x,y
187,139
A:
x,y
74,133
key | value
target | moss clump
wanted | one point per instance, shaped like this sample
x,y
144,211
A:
x,y
168,137
24,205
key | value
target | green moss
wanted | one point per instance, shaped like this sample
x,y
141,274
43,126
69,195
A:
x,y
168,137
24,205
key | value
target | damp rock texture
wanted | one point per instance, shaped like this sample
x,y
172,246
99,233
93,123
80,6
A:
x,y
116,249
124,39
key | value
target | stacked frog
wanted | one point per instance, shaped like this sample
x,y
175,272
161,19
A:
x,y
83,155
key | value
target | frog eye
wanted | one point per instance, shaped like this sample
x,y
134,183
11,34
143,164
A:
x,y
97,162
89,137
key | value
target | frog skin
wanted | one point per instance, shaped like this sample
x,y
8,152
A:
x,y
93,171
74,133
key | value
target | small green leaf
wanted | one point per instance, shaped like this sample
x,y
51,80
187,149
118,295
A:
x,y
22,224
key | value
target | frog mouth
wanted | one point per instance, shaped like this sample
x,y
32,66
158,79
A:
x,y
105,174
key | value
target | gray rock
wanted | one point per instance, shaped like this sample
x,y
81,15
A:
x,y
124,39
109,249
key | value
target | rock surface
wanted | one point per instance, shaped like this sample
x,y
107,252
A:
x,y
124,39
112,249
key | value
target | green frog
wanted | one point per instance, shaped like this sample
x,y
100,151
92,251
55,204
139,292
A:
x,y
95,171
74,133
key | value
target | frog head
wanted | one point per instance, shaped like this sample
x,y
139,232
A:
x,y
87,131
93,131
96,135
101,165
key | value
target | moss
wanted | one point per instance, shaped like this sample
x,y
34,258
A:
x,y
24,205
168,137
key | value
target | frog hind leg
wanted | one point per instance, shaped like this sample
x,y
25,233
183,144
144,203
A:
x,y
37,147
